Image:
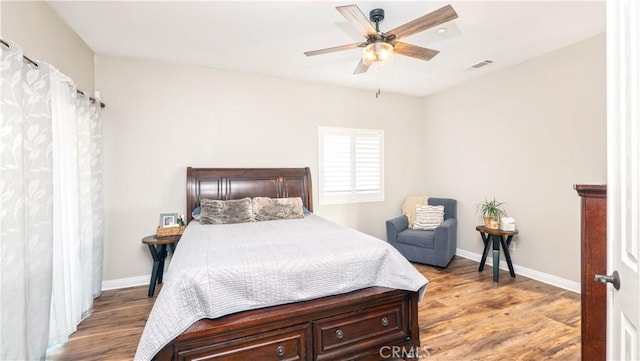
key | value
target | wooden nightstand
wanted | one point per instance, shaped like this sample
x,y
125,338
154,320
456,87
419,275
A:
x,y
158,249
496,237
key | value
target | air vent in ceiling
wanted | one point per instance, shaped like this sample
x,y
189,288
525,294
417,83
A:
x,y
481,64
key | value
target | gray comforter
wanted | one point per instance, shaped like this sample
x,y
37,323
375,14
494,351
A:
x,y
223,269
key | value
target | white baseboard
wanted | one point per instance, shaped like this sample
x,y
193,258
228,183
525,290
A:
x,y
524,271
126,282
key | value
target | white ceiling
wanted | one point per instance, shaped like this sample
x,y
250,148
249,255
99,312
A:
x,y
269,38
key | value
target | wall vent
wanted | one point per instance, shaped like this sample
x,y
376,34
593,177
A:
x,y
481,64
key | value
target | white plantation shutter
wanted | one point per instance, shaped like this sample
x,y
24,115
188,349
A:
x,y
337,163
351,165
367,162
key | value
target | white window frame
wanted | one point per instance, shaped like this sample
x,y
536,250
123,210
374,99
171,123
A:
x,y
351,195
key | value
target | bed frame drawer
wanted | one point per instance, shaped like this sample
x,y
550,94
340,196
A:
x,y
343,335
306,330
284,345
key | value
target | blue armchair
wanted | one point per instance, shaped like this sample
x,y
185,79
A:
x,y
436,247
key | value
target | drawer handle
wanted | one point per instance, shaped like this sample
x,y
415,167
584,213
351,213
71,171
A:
x,y
384,321
280,351
339,334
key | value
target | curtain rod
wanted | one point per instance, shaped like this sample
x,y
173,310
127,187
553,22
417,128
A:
x,y
92,99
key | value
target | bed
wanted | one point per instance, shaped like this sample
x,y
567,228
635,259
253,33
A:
x,y
350,320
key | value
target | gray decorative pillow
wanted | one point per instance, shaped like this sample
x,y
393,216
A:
x,y
267,209
215,211
428,217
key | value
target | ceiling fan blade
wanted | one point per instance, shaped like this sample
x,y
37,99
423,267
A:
x,y
361,68
434,18
413,51
333,49
358,20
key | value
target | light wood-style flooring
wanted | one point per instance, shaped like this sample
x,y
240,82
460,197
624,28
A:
x,y
464,316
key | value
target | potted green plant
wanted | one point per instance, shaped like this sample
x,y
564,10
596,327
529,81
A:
x,y
491,211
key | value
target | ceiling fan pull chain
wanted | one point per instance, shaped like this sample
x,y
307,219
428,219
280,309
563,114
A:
x,y
378,80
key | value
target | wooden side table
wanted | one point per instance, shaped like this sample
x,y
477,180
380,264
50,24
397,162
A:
x,y
496,237
158,249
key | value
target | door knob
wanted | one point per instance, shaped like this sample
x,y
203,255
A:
x,y
614,279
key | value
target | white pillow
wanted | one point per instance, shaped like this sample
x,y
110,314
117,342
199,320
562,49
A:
x,y
428,217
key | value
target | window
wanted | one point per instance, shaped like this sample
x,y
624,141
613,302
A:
x,y
351,165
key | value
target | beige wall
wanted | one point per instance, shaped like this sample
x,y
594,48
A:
x,y
162,118
43,36
541,124
525,135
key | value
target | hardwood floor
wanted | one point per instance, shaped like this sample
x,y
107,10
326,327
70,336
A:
x,y
464,316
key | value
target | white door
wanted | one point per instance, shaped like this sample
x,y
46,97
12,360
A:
x,y
623,177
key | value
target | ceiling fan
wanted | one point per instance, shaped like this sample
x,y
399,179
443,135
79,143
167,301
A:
x,y
379,46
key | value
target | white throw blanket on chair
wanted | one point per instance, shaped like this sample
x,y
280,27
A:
x,y
409,207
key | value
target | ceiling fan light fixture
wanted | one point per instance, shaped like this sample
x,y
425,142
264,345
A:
x,y
379,46
378,52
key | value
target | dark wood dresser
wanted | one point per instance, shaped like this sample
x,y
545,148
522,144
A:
x,y
594,261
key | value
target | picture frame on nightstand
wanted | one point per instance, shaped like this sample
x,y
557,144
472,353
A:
x,y
168,220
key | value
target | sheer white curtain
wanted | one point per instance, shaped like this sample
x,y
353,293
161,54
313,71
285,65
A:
x,y
50,207
77,207
26,207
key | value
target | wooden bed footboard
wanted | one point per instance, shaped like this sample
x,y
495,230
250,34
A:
x,y
362,325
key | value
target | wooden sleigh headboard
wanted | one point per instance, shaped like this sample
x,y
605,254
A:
x,y
236,183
